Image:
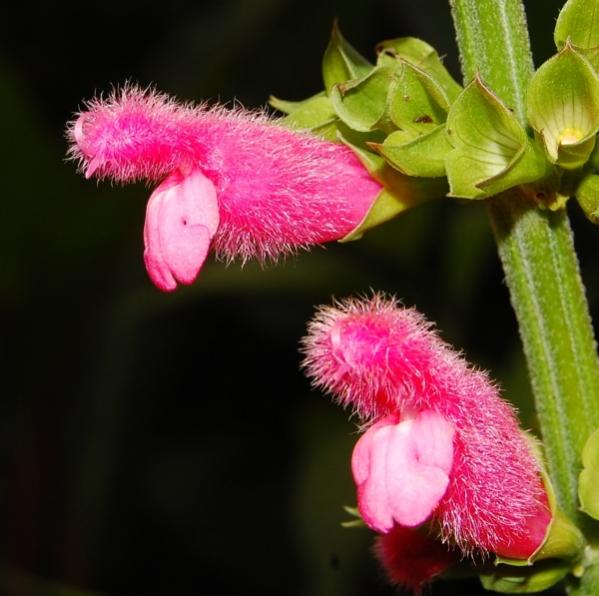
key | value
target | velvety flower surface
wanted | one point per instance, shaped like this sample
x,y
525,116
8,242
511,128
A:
x,y
277,190
388,364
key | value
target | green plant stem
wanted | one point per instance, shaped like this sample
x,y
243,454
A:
x,y
537,252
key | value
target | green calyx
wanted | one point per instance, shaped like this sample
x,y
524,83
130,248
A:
x,y
563,107
400,192
342,62
363,104
491,151
524,580
416,155
315,115
394,95
421,55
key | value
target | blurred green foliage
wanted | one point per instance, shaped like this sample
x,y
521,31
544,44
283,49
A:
x,y
168,444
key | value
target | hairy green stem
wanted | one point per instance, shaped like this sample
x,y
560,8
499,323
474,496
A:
x,y
542,273
537,253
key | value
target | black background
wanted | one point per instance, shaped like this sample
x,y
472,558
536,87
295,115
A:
x,y
168,444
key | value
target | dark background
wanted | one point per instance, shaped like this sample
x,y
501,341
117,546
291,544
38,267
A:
x,y
167,444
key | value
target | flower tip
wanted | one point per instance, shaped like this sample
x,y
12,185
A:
x,y
78,133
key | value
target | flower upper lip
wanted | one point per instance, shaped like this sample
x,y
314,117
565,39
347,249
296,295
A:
x,y
92,161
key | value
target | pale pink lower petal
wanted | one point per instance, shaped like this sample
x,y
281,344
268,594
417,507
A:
x,y
156,267
398,480
189,221
415,481
360,461
181,220
373,498
433,440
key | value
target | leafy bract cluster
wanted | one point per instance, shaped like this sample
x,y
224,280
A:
x,y
423,136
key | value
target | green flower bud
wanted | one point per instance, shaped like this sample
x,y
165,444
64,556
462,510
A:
x,y
563,107
578,22
491,151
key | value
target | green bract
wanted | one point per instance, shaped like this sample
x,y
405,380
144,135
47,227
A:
x,y
578,21
491,151
398,95
341,62
563,107
423,56
315,114
363,104
587,195
416,155
525,580
578,24
588,482
417,104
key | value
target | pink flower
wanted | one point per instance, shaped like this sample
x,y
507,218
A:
x,y
443,447
276,190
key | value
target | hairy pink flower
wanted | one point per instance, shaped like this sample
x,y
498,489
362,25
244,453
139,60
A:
x,y
277,190
388,364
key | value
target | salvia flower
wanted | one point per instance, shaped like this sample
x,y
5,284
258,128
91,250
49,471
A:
x,y
231,180
440,447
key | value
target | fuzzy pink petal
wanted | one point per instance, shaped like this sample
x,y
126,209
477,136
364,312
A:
x,y
360,461
373,494
398,480
529,541
181,220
